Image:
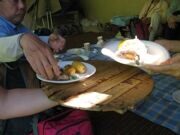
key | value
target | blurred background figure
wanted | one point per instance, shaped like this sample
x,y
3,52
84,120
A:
x,y
154,14
172,29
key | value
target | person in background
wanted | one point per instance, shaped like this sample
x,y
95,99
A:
x,y
172,30
11,15
16,40
153,14
18,98
172,65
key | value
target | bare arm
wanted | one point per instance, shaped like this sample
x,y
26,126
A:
x,y
23,102
39,55
171,45
170,67
35,50
56,42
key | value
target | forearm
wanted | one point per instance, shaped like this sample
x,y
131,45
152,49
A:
x,y
10,49
23,102
174,45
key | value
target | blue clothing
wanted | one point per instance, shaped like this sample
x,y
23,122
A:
x,y
9,29
10,49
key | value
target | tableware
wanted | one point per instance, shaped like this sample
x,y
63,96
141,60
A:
x,y
100,42
80,52
155,55
87,46
76,51
58,56
84,57
176,96
90,70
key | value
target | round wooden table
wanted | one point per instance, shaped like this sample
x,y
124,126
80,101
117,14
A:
x,y
114,87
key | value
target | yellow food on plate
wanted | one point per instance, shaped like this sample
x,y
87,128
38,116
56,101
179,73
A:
x,y
79,66
121,44
69,70
132,47
129,55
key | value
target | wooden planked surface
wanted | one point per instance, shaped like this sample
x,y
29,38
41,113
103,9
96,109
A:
x,y
126,86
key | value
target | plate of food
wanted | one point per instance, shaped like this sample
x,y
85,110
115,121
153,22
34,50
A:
x,y
72,71
135,52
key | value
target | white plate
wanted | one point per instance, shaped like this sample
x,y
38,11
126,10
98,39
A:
x,y
80,52
77,51
156,53
90,70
